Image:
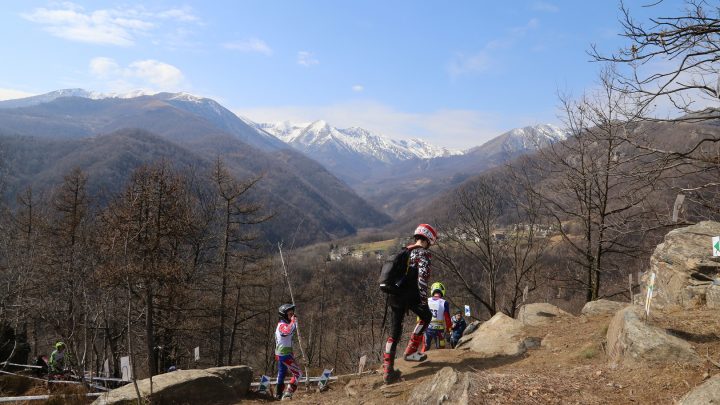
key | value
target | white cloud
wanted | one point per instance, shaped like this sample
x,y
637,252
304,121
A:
x,y
485,59
250,45
160,74
464,64
104,67
117,26
9,94
183,14
457,129
545,6
358,88
143,74
307,59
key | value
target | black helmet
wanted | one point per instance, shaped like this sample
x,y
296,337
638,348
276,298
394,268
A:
x,y
283,310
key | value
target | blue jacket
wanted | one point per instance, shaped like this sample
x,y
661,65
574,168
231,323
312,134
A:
x,y
458,328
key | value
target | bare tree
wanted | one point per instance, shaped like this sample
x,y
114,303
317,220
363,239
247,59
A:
x,y
669,68
236,211
598,185
492,260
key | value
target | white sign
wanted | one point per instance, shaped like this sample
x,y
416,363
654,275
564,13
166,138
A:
x,y
106,368
678,206
361,365
648,297
324,379
467,310
264,383
126,368
716,245
197,353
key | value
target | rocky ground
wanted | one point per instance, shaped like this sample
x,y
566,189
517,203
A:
x,y
571,366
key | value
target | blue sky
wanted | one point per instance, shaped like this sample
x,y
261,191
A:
x,y
453,73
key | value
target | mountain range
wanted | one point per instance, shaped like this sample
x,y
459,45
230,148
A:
x,y
43,138
326,177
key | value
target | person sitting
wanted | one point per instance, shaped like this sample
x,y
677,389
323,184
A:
x,y
458,327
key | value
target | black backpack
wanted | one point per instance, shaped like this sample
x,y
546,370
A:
x,y
396,275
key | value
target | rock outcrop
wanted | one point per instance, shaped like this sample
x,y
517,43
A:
x,y
539,314
447,387
705,393
499,336
602,307
684,267
214,385
712,297
630,341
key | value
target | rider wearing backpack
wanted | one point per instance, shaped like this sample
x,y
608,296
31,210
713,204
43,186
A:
x,y
411,294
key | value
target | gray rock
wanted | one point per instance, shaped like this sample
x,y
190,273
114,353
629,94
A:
x,y
603,307
236,377
447,387
684,267
218,385
705,393
712,297
499,336
539,314
630,341
471,328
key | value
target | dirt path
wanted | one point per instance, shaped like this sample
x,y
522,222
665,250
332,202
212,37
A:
x,y
569,368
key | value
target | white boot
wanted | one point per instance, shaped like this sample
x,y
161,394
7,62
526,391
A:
x,y
417,356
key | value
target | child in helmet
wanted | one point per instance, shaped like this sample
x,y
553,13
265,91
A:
x,y
284,353
440,323
413,297
56,364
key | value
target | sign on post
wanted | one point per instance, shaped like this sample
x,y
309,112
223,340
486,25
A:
x,y
197,353
678,206
648,297
264,384
361,364
324,379
467,310
716,246
126,368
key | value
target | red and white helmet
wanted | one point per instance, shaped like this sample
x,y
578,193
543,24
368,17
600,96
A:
x,y
427,232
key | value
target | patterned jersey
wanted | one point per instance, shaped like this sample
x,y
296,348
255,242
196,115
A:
x,y
440,314
283,337
420,259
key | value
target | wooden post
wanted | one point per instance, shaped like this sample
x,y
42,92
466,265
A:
x,y
630,286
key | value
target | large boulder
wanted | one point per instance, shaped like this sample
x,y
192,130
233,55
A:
x,y
236,377
539,314
212,386
712,297
630,341
706,393
684,267
602,307
447,387
499,336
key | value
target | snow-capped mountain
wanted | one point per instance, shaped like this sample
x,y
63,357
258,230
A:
x,y
204,107
521,140
318,136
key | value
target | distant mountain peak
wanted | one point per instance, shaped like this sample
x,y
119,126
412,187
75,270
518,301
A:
x,y
319,137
